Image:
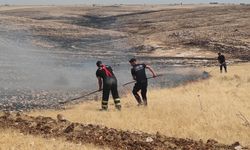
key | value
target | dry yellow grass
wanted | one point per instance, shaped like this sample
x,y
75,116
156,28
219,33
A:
x,y
13,140
199,110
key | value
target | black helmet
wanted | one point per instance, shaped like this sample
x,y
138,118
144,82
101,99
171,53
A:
x,y
98,63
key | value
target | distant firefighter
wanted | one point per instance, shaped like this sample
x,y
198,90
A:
x,y
139,75
107,82
222,62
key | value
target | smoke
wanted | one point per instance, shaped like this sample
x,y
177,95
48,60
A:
x,y
25,66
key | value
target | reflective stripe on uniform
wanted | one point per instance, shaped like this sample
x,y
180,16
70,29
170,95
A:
x,y
105,102
104,106
117,101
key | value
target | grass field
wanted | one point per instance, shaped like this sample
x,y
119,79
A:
x,y
198,110
13,140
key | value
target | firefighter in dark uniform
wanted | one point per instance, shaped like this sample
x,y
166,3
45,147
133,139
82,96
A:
x,y
107,82
139,75
222,61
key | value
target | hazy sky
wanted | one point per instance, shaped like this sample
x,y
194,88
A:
x,y
115,1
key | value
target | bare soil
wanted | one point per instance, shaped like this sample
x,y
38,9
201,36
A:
x,y
101,135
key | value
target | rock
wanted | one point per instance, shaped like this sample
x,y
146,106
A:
x,y
238,147
70,128
61,118
236,144
109,137
100,138
211,142
149,139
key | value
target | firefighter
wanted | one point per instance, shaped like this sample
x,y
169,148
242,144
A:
x,y
139,75
107,82
222,61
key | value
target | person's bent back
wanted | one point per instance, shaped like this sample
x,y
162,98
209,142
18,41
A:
x,y
108,83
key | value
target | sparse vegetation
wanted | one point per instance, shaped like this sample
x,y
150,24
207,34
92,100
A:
x,y
176,112
14,140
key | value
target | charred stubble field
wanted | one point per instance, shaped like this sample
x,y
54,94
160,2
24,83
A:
x,y
144,30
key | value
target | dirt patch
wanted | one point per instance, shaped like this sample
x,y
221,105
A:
x,y
101,135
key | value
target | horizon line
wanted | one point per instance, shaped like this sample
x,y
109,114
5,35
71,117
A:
x,y
117,4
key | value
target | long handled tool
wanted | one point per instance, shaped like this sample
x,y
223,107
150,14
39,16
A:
x,y
147,78
79,97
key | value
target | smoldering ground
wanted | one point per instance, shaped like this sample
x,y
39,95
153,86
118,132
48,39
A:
x,y
32,77
39,76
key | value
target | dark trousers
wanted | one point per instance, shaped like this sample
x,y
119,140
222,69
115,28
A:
x,y
143,87
223,65
110,85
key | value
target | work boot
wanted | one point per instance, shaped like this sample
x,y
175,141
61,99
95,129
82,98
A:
x,y
138,99
104,105
139,104
118,107
118,103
